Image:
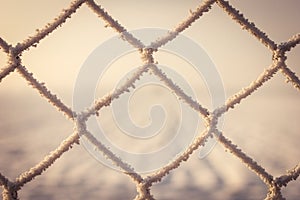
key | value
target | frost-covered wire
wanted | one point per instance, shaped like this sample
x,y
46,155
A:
x,y
107,99
111,22
29,175
292,174
3,180
249,162
290,76
144,184
4,45
278,61
43,90
50,27
199,141
291,43
246,24
179,92
205,6
82,131
12,63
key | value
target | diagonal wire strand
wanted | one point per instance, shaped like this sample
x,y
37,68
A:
x,y
199,141
179,92
290,76
278,61
29,175
245,92
107,99
292,174
249,162
7,70
50,27
115,25
291,43
3,180
12,63
200,10
82,131
245,24
43,90
4,45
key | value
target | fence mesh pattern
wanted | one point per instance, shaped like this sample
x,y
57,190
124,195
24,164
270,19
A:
x,y
211,117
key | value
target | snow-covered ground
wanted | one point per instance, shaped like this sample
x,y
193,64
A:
x,y
265,126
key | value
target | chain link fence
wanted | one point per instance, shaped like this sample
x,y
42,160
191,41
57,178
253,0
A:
x,y
211,118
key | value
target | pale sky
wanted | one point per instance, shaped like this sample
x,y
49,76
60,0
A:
x,y
229,47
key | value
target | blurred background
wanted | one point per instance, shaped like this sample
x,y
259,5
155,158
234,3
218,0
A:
x,y
265,125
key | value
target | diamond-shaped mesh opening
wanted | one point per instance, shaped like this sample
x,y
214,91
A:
x,y
260,118
231,49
